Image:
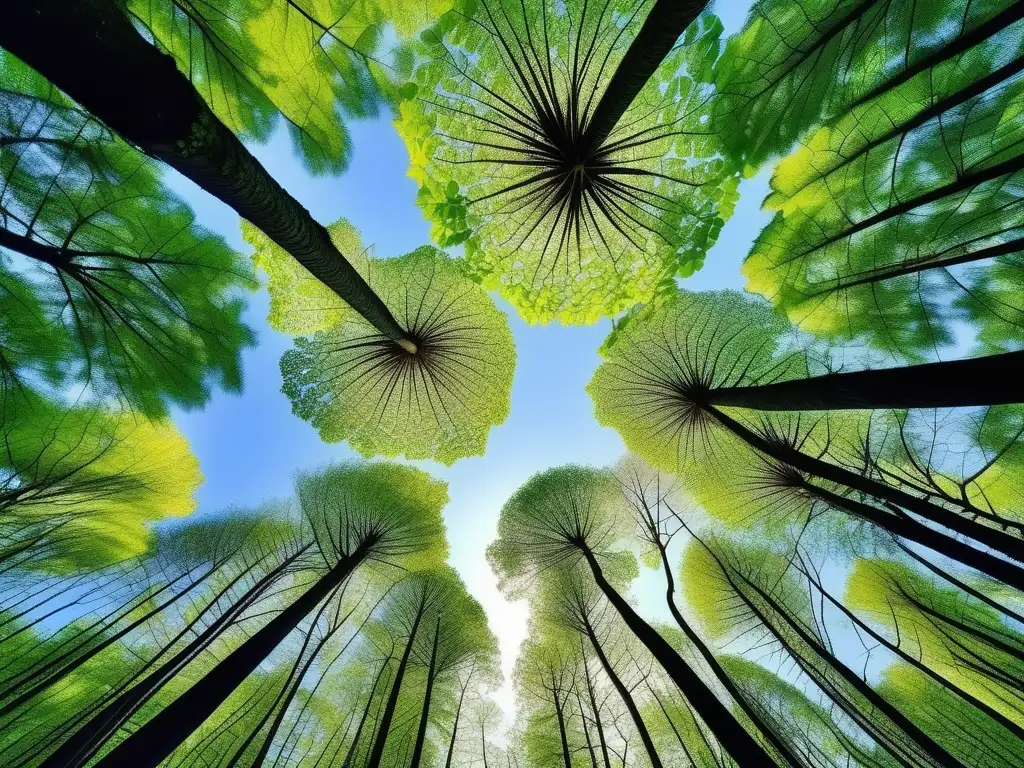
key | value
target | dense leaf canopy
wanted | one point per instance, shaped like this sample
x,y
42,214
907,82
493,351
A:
x,y
354,384
493,122
98,258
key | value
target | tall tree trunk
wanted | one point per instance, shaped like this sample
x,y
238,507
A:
x,y
978,381
44,681
586,729
354,746
911,530
672,725
665,22
918,664
155,740
627,699
979,34
90,50
384,726
958,583
743,748
919,737
593,707
716,668
455,726
87,740
1007,545
421,733
561,723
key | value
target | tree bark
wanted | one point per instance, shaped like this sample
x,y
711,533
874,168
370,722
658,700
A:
x,y
455,726
973,382
665,22
743,748
90,50
396,686
1007,545
155,740
350,754
627,699
561,723
421,733
597,712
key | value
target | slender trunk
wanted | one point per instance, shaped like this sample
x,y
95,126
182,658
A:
x,y
743,748
155,740
354,746
87,740
919,737
91,51
917,664
627,699
593,706
923,264
911,530
672,725
978,381
959,584
396,686
1007,545
665,23
586,729
49,679
421,734
963,183
483,744
284,698
561,723
455,726
965,41
720,674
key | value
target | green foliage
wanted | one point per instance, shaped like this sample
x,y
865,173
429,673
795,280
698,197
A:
x,y
901,215
101,475
107,279
354,384
491,121
313,62
796,64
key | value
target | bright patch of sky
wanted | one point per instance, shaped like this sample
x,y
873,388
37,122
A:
x,y
250,446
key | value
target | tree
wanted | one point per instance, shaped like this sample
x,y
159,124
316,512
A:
x,y
795,65
354,385
359,513
660,385
565,146
755,582
92,53
563,516
866,246
79,484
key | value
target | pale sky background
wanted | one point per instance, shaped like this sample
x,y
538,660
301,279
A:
x,y
250,446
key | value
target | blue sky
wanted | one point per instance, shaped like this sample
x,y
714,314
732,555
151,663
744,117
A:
x,y
250,446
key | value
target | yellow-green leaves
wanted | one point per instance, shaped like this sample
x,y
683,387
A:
x,y
102,475
493,126
354,384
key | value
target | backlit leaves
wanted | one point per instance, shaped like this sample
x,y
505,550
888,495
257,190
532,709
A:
x,y
493,122
108,279
354,384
